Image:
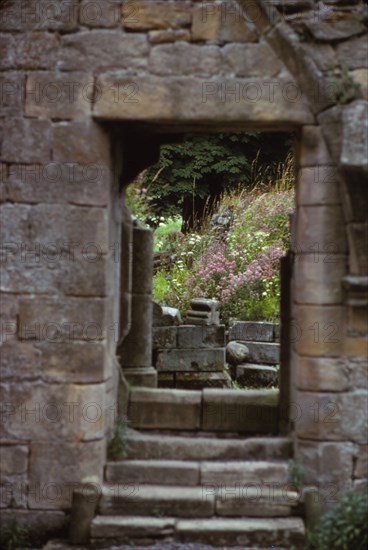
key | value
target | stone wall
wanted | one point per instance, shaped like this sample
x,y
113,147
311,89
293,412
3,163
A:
x,y
83,86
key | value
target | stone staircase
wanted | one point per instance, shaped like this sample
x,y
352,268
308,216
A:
x,y
201,466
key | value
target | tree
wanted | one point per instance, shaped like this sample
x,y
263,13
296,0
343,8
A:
x,y
191,176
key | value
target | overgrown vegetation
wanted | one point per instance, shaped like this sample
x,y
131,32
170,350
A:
x,y
191,176
238,266
345,527
118,447
13,535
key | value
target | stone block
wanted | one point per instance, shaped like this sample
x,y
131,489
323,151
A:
x,y
190,336
330,465
103,50
194,360
247,60
165,409
56,469
59,96
81,142
12,93
319,279
331,416
163,316
320,231
48,319
257,376
318,185
318,330
7,51
53,362
39,14
100,13
358,373
22,142
246,411
145,377
148,97
253,331
356,347
361,463
169,35
143,15
9,310
36,50
59,182
200,380
59,412
221,22
331,30
236,353
321,374
14,460
52,232
164,337
353,53
313,149
182,58
263,352
153,472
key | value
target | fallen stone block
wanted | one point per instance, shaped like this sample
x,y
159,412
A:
x,y
252,331
200,380
257,376
192,360
236,353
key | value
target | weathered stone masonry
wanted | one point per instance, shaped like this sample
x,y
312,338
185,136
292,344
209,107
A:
x,y
81,88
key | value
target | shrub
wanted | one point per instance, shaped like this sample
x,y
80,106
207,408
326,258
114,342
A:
x,y
13,535
345,527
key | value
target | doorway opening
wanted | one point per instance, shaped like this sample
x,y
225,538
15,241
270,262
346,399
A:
x,y
220,206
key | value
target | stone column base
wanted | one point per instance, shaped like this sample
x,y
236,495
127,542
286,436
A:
x,y
141,376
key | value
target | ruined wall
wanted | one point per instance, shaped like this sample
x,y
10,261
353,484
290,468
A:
x,y
66,69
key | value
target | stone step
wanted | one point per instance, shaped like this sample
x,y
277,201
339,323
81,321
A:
x,y
135,499
165,409
108,530
188,473
245,532
154,472
173,447
242,411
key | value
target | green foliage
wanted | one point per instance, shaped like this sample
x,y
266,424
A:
x,y
205,165
343,528
13,535
118,446
344,88
295,474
